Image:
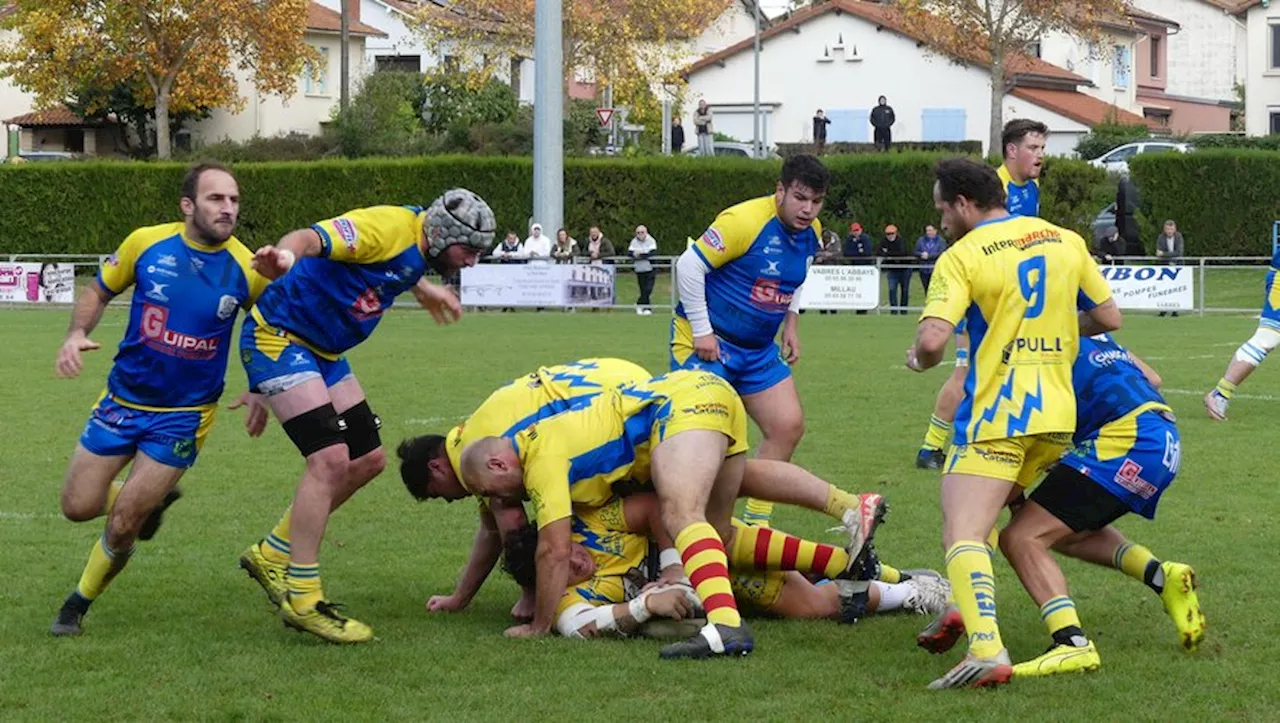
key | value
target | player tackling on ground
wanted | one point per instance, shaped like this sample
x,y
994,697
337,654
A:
x,y
1017,282
739,283
1252,352
334,281
1023,141
190,279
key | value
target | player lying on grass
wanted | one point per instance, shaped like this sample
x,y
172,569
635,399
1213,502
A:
x,y
1127,452
686,433
610,568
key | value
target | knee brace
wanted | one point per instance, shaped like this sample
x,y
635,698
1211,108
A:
x,y
314,430
362,430
1252,352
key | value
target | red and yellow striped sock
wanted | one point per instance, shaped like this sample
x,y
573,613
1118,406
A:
x,y
762,548
708,569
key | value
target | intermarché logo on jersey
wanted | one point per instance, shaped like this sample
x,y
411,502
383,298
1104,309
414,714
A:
x,y
1022,243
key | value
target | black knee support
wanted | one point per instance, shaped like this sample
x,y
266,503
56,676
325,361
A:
x,y
314,430
362,430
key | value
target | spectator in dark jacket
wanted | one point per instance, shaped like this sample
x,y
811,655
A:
x,y
1169,247
1127,201
928,248
820,123
893,251
882,119
859,246
1110,246
677,135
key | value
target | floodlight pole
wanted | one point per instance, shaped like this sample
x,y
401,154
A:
x,y
548,115
755,114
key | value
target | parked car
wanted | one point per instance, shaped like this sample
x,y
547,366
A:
x,y
734,149
42,156
1116,160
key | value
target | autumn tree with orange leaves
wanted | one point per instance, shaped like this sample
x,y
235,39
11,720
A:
x,y
999,32
184,53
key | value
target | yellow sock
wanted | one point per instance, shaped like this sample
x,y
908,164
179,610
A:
x,y
1225,388
276,546
839,501
1133,560
103,565
993,539
1059,612
973,586
758,513
760,548
890,574
304,586
707,566
939,432
112,493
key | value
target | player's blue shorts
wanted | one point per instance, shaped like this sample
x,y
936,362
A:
x,y
1136,474
1271,303
748,370
276,363
172,438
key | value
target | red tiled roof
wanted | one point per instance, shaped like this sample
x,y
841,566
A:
x,y
891,18
1139,14
323,19
1077,106
1243,7
58,115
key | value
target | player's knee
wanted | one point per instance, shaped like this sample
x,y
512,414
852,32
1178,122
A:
x,y
1254,351
80,507
317,430
122,528
1010,539
367,467
362,431
329,465
786,430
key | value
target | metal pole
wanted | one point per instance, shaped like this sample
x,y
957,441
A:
x,y
666,127
755,112
1201,287
344,54
612,140
548,115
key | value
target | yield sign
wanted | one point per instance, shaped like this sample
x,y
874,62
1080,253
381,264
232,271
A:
x,y
606,115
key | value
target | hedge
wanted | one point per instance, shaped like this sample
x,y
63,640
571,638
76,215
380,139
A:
x,y
89,207
1224,201
972,148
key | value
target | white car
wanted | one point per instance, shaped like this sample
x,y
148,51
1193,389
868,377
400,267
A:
x,y
1116,160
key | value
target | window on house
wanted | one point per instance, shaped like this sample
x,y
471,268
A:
x,y
1155,56
315,77
1120,67
1275,46
406,63
1034,49
516,61
942,124
451,64
1275,122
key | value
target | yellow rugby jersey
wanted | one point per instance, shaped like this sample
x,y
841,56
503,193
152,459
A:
x,y
541,394
619,552
1017,282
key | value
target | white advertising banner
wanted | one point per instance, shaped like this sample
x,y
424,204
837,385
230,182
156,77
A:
x,y
37,283
1159,288
505,285
841,287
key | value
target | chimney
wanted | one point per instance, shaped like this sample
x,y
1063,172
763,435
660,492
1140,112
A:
x,y
353,10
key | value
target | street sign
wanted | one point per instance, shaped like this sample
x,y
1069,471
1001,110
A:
x,y
605,115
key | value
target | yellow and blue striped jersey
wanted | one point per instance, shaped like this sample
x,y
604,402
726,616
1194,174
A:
x,y
757,265
1108,386
1021,199
367,258
185,299
619,552
1017,283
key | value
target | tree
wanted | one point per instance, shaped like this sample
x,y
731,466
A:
x,y
182,55
997,33
125,102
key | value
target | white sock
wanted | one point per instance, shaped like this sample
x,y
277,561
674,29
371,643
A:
x,y
891,596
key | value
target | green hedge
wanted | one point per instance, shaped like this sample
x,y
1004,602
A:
x,y
1223,201
837,148
90,207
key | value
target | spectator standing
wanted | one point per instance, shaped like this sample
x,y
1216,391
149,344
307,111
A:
x,y
537,248
1127,201
859,247
677,136
928,248
893,250
1110,246
828,255
509,250
1169,248
702,125
882,119
566,247
598,247
642,247
820,123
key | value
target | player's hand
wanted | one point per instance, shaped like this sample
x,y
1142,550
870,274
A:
x,y
672,574
707,347
69,363
912,362
445,604
790,344
255,420
669,603
441,302
524,608
272,262
525,631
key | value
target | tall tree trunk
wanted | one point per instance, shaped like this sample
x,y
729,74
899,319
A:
x,y
996,126
163,150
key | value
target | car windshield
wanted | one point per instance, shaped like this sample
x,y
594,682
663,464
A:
x,y
1122,153
1157,148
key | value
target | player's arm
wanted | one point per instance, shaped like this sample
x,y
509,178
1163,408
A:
x,y
274,260
728,238
581,620
546,479
1151,374
791,323
486,547
552,562
1099,313
115,275
948,300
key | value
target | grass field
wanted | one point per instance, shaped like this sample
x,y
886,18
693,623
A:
x,y
184,634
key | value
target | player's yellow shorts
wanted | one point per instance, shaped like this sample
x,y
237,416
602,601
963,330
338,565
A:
x,y
758,592
1021,460
697,400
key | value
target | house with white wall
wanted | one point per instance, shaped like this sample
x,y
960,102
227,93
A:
x,y
840,55
1262,66
14,101
1188,75
1107,63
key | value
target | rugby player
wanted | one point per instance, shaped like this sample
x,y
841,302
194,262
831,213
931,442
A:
x,y
1252,352
739,283
1017,281
334,281
191,278
1023,141
686,432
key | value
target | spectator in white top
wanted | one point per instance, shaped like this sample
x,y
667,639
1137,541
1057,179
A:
x,y
642,247
537,248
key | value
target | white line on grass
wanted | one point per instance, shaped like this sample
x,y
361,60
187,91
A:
x,y
28,516
433,420
1237,395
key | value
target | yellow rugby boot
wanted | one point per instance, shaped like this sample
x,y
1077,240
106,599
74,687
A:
x,y
1181,603
268,574
1060,659
326,622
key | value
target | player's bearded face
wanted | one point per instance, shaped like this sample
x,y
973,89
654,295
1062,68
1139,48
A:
x,y
954,224
216,208
456,257
798,206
